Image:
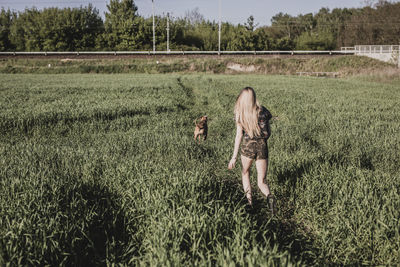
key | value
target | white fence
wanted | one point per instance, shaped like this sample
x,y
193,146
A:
x,y
387,53
381,49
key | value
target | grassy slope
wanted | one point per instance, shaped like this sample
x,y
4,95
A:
x,y
102,168
345,65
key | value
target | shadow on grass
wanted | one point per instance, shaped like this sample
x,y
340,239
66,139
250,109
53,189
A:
x,y
26,125
281,230
78,225
99,231
291,175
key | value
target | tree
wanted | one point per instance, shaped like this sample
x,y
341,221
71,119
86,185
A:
x,y
54,29
378,25
250,25
285,22
194,17
25,31
70,29
122,26
315,41
262,39
6,18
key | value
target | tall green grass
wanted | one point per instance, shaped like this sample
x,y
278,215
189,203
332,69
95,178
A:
x,y
102,169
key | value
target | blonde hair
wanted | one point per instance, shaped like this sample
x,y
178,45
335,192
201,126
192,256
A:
x,y
246,112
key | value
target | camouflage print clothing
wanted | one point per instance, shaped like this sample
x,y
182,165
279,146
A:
x,y
254,148
257,147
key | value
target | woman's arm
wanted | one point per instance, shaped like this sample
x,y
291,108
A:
x,y
238,139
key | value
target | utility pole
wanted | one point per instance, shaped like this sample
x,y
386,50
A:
x,y
168,32
154,30
219,29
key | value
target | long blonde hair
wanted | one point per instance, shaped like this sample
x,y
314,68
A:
x,y
246,112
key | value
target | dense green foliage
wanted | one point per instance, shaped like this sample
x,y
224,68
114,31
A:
x,y
5,25
54,29
122,26
102,169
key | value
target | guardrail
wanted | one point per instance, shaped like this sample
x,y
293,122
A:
x,y
77,53
347,48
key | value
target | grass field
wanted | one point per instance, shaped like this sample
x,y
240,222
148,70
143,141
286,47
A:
x,y
102,169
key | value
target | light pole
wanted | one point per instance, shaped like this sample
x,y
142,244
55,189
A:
x,y
219,29
168,32
154,30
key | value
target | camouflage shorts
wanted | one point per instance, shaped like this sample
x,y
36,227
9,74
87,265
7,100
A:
x,y
254,148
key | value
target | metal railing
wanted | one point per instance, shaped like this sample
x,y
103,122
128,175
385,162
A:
x,y
353,50
77,53
376,49
347,48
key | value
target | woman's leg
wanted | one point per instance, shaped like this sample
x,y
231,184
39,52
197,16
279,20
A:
x,y
246,164
262,167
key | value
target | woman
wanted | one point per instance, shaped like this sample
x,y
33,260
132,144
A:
x,y
252,125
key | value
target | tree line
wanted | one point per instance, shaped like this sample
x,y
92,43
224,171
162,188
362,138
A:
x,y
83,29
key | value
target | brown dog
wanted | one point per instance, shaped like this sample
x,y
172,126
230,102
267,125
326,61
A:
x,y
201,129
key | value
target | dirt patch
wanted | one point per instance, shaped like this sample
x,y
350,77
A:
x,y
68,59
242,68
192,67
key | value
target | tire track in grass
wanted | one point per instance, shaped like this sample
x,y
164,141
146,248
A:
x,y
281,231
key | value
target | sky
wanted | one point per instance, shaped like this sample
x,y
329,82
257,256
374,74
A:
x,y
234,11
